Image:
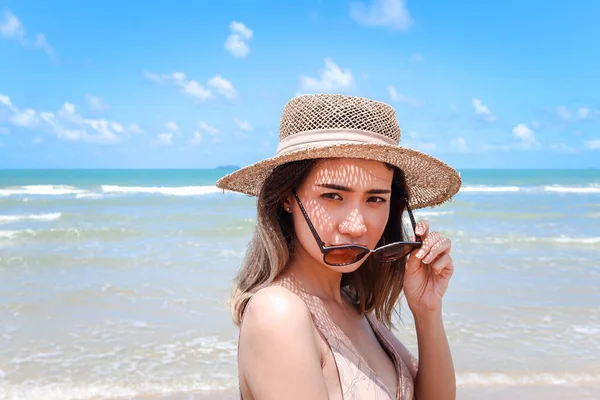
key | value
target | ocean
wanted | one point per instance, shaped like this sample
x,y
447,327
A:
x,y
113,283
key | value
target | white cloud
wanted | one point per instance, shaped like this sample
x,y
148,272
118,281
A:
x,y
579,114
399,97
459,144
133,128
243,125
207,128
425,147
96,103
592,144
563,113
583,112
164,138
481,109
42,43
562,148
11,28
525,135
37,140
236,42
172,126
412,134
66,123
6,101
117,127
25,118
69,108
331,78
192,87
196,139
388,13
222,86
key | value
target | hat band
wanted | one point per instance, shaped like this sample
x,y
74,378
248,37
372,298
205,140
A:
x,y
328,137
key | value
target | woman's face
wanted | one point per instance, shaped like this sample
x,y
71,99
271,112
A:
x,y
347,201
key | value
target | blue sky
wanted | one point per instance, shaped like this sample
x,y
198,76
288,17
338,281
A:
x,y
156,84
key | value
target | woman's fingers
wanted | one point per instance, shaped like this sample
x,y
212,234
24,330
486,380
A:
x,y
422,228
444,262
433,245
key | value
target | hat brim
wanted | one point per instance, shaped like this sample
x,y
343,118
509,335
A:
x,y
430,181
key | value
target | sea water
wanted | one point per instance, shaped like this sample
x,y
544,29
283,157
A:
x,y
114,282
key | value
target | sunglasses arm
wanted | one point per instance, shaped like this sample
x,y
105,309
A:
x,y
310,225
412,220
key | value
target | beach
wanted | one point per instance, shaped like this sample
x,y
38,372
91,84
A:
x,y
113,284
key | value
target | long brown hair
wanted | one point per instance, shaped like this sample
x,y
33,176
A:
x,y
374,286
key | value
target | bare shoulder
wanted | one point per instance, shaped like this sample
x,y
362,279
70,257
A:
x,y
274,312
278,344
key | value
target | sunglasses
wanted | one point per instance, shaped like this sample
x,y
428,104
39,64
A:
x,y
346,254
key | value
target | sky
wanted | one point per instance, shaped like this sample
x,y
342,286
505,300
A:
x,y
182,84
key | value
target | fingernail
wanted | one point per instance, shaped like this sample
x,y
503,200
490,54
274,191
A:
x,y
420,254
419,230
427,259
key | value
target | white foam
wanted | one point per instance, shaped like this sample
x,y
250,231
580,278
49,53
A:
x,y
89,196
570,189
29,217
537,239
8,234
41,190
485,189
487,379
166,190
586,329
432,213
69,391
576,240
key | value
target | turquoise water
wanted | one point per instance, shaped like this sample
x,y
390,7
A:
x,y
113,282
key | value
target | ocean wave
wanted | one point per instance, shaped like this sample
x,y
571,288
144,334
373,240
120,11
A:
x,y
165,190
40,190
432,213
571,189
79,193
564,240
70,391
7,219
486,379
530,189
488,189
89,196
122,370
8,234
62,234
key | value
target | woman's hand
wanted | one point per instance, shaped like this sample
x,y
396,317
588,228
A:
x,y
428,272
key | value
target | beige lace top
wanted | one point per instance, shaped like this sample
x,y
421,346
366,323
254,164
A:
x,y
357,380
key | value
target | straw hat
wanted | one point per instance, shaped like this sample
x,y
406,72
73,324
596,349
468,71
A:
x,y
340,126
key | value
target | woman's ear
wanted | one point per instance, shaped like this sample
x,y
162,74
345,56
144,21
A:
x,y
287,203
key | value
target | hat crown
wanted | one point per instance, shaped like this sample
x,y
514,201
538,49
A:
x,y
335,111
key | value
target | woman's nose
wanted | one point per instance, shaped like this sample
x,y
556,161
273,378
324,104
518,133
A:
x,y
353,224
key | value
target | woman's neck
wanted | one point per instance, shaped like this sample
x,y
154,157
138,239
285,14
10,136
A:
x,y
316,278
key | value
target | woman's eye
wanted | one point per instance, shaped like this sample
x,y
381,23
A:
x,y
377,200
332,196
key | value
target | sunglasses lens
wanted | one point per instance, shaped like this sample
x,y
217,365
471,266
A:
x,y
395,252
345,256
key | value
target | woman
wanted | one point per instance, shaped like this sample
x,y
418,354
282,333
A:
x,y
329,260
